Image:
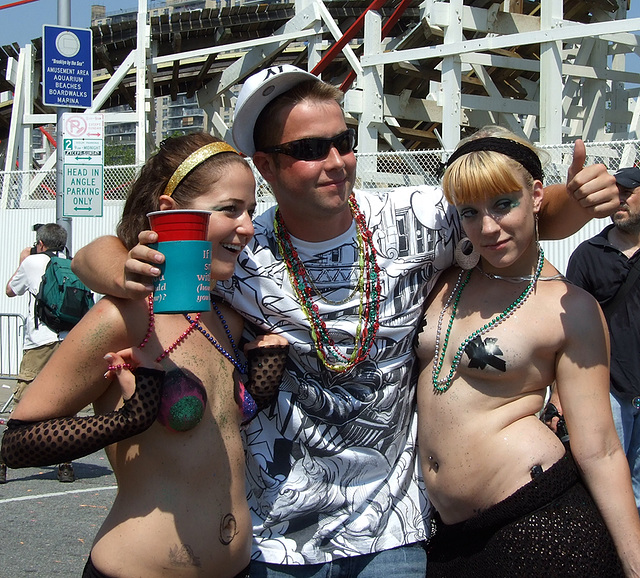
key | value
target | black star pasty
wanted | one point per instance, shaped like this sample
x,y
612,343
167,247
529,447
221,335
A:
x,y
483,353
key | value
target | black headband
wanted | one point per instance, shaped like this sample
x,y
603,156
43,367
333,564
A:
x,y
518,152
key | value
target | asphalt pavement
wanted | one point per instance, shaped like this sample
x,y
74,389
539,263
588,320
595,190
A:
x,y
47,527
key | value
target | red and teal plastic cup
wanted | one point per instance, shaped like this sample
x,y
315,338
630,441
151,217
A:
x,y
185,282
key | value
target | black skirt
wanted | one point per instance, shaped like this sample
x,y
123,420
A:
x,y
549,527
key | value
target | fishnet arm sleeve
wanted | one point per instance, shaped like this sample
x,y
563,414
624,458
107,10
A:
x,y
266,367
65,439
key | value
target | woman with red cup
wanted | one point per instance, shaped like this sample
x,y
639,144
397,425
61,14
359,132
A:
x,y
171,401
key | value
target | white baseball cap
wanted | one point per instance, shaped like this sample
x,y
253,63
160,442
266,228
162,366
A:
x,y
258,91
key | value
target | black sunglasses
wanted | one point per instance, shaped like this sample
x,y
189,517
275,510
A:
x,y
313,149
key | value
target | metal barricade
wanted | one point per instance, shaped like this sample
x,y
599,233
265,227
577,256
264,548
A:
x,y
11,347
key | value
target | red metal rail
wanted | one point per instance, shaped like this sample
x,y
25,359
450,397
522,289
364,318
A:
x,y
16,3
386,29
346,38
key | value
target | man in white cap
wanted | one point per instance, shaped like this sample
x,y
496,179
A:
x,y
343,274
607,266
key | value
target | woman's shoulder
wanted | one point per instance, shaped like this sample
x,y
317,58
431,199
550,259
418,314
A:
x,y
115,317
555,282
108,305
571,298
581,300
578,311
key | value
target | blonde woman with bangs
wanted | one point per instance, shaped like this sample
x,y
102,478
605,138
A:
x,y
511,499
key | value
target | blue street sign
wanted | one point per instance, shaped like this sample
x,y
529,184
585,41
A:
x,y
67,62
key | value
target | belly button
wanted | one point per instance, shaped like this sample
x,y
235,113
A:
x,y
228,529
433,464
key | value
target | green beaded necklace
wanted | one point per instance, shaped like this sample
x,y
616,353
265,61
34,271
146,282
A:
x,y
368,285
442,385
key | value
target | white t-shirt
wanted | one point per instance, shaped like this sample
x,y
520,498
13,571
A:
x,y
27,280
332,469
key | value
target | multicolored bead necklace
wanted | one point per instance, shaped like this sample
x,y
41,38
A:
x,y
235,359
442,385
348,298
193,324
368,286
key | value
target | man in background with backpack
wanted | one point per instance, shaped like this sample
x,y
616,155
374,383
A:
x,y
608,267
40,341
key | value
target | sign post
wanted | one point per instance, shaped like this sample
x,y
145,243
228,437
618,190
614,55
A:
x,y
83,167
67,81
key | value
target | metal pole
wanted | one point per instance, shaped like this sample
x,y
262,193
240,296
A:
x,y
64,19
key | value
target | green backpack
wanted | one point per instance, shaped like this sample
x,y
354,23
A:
x,y
62,298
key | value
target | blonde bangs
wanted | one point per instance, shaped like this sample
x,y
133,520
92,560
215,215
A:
x,y
481,175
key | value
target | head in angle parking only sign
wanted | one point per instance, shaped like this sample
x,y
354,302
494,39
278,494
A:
x,y
67,62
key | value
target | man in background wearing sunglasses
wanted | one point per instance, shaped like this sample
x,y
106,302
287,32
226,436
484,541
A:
x,y
331,465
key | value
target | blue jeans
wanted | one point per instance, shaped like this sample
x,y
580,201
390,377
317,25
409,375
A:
x,y
403,562
627,420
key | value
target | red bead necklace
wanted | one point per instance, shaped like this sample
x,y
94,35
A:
x,y
192,325
368,286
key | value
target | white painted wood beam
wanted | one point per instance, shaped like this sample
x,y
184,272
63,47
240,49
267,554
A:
x,y
335,31
569,32
372,86
451,87
15,124
550,117
510,120
28,96
594,96
142,92
484,20
302,24
112,84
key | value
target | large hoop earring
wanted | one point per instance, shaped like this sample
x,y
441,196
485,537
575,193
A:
x,y
466,255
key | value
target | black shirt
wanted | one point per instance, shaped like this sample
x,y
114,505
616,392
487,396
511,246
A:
x,y
601,269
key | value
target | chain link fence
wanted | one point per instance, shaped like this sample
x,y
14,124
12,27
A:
x,y
396,169
28,197
27,189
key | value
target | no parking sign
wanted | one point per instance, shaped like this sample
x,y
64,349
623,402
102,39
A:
x,y
83,169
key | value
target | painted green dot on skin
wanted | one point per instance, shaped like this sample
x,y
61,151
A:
x,y
186,413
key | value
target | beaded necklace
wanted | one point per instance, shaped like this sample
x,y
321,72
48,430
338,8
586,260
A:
x,y
150,329
368,286
442,385
235,359
193,324
348,298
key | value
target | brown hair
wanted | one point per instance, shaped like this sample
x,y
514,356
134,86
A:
x,y
482,174
268,128
144,195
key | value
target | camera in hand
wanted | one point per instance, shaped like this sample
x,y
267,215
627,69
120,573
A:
x,y
549,413
34,249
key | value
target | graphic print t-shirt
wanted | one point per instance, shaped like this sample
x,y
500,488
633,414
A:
x,y
332,468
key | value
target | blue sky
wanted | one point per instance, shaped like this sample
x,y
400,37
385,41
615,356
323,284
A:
x,y
22,23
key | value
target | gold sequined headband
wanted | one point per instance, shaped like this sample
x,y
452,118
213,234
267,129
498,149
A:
x,y
193,160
